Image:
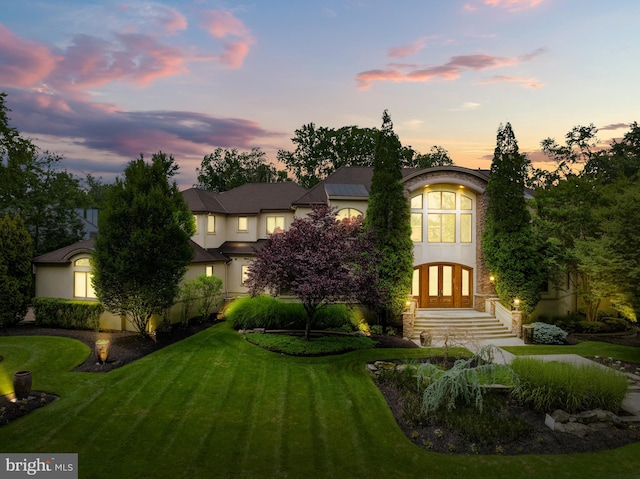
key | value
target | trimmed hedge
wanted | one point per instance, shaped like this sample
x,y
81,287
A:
x,y
270,313
68,314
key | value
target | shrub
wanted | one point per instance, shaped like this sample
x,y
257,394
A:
x,y
269,313
463,384
68,314
297,346
547,386
548,334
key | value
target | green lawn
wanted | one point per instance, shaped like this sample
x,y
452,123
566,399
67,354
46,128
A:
x,y
586,349
215,406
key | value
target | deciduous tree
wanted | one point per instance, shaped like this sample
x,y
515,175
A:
x,y
319,151
35,187
318,260
15,270
142,249
226,169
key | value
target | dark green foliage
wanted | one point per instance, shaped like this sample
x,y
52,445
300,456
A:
x,y
34,187
15,270
68,314
142,250
508,243
547,386
320,151
226,169
388,221
298,346
267,312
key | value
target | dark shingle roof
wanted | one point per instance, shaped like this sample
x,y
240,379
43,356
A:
x,y
64,255
251,198
240,247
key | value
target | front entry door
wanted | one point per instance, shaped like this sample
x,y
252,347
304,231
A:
x,y
440,286
445,285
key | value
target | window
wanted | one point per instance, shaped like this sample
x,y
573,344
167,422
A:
x,y
82,287
441,200
346,213
208,271
211,224
441,228
243,223
465,228
449,215
195,223
416,227
275,224
244,273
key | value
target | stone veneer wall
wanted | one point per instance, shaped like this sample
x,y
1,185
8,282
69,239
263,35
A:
x,y
483,287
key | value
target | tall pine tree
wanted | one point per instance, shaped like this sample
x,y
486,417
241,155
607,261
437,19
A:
x,y
507,243
389,221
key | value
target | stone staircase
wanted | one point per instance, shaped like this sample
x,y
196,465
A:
x,y
461,323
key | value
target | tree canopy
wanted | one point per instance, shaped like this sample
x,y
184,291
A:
x,y
35,187
389,222
318,260
320,150
142,249
15,270
225,169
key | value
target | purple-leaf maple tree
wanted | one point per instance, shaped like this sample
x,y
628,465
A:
x,y
319,260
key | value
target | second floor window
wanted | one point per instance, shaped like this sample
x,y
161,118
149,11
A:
x,y
243,223
211,224
275,224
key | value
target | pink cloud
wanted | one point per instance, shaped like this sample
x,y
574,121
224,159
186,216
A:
x,y
23,62
467,7
449,71
404,51
173,21
222,24
234,54
513,5
91,62
533,83
615,126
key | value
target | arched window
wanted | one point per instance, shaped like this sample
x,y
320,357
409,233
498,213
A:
x,y
82,276
348,213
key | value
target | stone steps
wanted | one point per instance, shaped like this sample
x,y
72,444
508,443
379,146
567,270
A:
x,y
465,323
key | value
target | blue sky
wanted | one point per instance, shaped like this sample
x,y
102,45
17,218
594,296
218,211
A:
x,y
102,82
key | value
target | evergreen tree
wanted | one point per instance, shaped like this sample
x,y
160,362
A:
x,y
389,221
142,249
508,245
15,270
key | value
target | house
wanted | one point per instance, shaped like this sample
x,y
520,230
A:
x,y
448,205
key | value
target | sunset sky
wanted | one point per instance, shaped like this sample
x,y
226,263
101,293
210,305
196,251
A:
x,y
101,82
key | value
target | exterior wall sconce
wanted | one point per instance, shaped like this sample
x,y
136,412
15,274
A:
x,y
492,279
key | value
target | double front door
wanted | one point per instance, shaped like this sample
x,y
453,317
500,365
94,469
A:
x,y
445,285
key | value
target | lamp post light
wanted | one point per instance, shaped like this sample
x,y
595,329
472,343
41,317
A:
x,y
516,304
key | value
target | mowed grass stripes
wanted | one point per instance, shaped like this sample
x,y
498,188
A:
x,y
215,406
